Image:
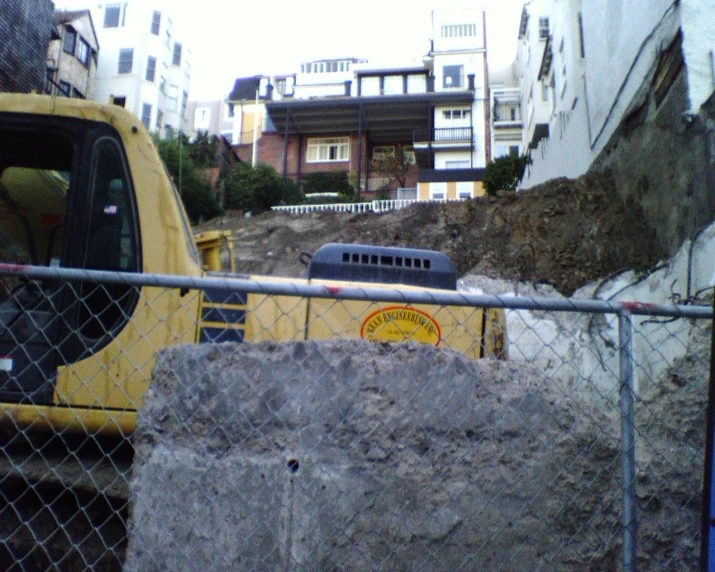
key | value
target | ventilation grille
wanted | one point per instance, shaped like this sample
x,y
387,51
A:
x,y
381,264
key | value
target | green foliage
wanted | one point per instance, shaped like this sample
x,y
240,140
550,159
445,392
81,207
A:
x,y
195,190
395,166
204,150
328,182
504,173
258,188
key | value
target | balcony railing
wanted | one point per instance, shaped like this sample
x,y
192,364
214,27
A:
x,y
443,135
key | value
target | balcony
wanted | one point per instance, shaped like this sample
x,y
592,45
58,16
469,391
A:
x,y
506,103
445,136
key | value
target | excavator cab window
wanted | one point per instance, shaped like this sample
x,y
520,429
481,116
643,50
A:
x,y
36,174
66,200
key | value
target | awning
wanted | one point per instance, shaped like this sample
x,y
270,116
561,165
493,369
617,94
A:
x,y
385,119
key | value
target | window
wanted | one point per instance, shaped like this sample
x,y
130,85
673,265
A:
x,y
150,68
465,189
544,90
453,76
514,150
146,115
172,98
459,31
159,118
461,164
65,88
281,86
176,58
455,113
382,152
119,100
70,41
126,60
184,102
83,52
162,85
328,150
155,22
112,243
580,36
111,15
543,28
437,191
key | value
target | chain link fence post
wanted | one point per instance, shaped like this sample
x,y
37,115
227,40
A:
x,y
628,442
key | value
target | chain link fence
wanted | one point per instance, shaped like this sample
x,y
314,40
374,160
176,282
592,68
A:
x,y
522,433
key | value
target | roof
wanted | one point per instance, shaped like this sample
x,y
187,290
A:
x,y
68,16
65,16
245,88
389,118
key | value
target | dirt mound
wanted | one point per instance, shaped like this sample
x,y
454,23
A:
x,y
565,233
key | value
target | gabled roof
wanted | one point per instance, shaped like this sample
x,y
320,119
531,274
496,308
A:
x,y
64,17
245,88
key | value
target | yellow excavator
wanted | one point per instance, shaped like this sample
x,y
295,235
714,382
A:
x,y
82,187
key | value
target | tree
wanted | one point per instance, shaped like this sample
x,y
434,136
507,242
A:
x,y
257,188
505,173
394,166
204,150
195,190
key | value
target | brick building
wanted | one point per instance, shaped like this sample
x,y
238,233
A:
x,y
26,28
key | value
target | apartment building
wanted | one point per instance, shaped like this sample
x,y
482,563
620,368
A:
x,y
341,114
72,55
144,64
550,68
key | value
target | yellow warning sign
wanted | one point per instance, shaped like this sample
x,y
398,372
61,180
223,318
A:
x,y
400,323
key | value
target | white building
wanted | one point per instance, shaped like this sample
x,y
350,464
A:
x,y
506,113
458,62
144,64
585,66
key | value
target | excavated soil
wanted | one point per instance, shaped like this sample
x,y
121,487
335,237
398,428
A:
x,y
565,233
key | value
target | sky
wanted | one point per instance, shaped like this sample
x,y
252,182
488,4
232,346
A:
x,y
238,38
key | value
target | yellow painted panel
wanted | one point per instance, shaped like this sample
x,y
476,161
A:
x,y
455,327
119,375
78,420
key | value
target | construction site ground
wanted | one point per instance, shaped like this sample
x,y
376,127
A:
x,y
565,233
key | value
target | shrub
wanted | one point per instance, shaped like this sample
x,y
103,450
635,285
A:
x,y
505,173
258,188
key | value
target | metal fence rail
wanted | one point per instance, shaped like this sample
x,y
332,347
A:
x,y
593,456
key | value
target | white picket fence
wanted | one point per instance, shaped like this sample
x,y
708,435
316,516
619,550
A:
x,y
373,206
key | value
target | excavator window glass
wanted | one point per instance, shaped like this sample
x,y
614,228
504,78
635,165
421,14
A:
x,y
34,183
112,241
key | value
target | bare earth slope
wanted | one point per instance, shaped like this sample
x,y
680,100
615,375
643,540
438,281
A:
x,y
564,233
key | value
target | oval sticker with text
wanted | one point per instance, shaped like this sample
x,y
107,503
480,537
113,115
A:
x,y
399,323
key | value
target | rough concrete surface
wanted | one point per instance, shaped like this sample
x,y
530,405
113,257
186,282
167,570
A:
x,y
349,455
